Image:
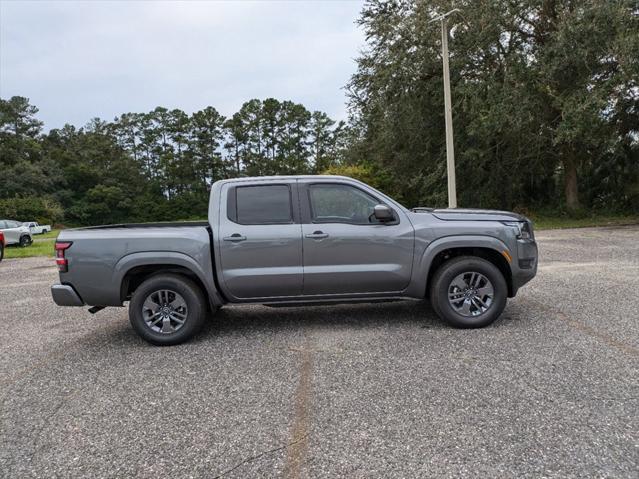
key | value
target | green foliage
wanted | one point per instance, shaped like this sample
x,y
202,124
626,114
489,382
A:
x,y
545,101
559,220
366,173
49,234
44,210
271,137
154,166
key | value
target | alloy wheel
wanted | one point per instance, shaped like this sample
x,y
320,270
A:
x,y
164,311
471,294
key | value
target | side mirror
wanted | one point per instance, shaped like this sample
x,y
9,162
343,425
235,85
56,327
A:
x,y
383,213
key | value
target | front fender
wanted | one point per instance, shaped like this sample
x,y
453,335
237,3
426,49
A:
x,y
128,262
422,262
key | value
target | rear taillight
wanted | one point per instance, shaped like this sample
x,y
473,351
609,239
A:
x,y
61,261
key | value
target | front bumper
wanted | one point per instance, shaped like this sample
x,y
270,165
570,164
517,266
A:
x,y
524,267
65,295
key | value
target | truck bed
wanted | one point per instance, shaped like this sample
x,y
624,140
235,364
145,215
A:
x,y
163,224
99,256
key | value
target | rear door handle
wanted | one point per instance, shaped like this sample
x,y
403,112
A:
x,y
317,235
235,238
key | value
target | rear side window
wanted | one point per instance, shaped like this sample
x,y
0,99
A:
x,y
260,205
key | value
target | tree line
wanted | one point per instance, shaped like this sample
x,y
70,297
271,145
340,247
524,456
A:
x,y
545,110
153,166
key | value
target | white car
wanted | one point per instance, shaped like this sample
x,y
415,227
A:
x,y
15,233
37,229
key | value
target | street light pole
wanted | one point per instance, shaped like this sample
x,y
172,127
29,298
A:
x,y
448,115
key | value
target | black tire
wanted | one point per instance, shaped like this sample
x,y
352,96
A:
x,y
192,296
1,251
25,240
447,272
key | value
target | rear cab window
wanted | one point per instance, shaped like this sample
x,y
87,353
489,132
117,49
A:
x,y
260,205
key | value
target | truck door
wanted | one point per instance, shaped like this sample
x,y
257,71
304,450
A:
x,y
260,240
346,250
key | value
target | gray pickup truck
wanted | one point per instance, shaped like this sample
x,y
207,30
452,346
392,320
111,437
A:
x,y
293,240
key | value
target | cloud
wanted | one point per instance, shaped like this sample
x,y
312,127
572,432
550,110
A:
x,y
79,60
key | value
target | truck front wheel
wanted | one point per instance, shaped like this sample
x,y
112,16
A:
x,y
468,292
167,309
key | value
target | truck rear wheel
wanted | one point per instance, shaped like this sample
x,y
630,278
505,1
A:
x,y
468,292
167,309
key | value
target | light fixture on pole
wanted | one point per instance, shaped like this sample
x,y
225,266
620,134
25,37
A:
x,y
448,114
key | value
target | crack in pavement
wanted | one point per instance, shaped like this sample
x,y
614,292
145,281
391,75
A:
x,y
584,328
297,447
300,429
253,458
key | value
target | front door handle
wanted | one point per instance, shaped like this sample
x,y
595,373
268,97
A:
x,y
317,235
235,238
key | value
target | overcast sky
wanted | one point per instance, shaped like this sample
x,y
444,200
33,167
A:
x,y
79,59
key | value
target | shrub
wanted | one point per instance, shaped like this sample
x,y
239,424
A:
x,y
44,210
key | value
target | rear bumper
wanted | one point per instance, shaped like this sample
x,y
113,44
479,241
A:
x,y
65,295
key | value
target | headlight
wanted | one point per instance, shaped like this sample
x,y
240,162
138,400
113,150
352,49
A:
x,y
524,228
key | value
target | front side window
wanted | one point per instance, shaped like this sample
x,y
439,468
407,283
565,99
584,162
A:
x,y
259,205
332,203
13,224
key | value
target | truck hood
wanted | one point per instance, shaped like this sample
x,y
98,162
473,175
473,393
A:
x,y
468,214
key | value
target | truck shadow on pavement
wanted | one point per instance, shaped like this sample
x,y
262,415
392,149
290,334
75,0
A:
x,y
364,316
259,320
234,319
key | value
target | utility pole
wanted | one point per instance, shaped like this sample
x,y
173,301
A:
x,y
448,114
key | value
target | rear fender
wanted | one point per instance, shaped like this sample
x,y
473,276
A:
x,y
127,263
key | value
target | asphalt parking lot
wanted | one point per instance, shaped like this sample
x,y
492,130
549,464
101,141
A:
x,y
383,390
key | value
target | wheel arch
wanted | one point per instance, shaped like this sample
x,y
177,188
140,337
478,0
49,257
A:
x,y
134,269
439,251
490,255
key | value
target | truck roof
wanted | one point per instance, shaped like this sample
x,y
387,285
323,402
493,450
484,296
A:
x,y
282,177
